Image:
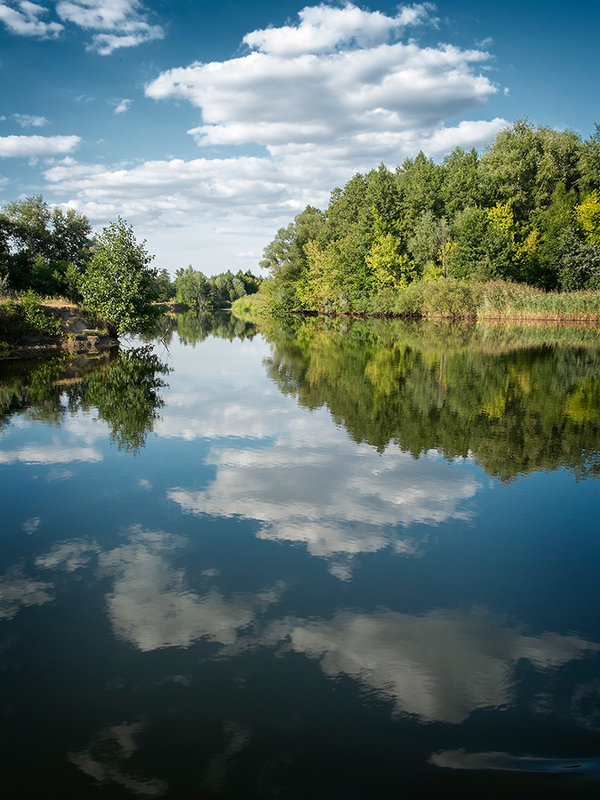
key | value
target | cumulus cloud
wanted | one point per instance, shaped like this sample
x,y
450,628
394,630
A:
x,y
23,19
323,28
34,146
118,23
332,78
440,666
338,91
30,120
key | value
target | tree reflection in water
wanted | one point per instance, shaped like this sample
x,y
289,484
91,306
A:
x,y
122,385
518,399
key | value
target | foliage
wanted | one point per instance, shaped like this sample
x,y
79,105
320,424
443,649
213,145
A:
x,y
579,262
43,250
501,216
196,290
164,288
27,316
119,283
587,216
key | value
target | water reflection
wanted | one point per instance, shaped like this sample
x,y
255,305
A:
x,y
17,590
440,666
151,604
121,386
507,762
106,759
432,620
515,399
336,499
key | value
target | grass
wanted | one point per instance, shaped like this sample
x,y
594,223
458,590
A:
x,y
451,298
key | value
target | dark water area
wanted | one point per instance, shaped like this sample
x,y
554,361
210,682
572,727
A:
x,y
323,559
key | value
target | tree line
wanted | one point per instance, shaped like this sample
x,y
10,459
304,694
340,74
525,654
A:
x,y
527,210
52,252
193,288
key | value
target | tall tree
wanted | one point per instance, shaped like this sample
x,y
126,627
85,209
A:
x,y
119,282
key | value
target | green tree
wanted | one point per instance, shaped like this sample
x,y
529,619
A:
x,y
420,184
70,237
41,249
460,185
164,286
429,245
589,162
579,262
525,164
587,215
192,288
119,282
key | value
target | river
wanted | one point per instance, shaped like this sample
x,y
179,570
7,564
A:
x,y
323,559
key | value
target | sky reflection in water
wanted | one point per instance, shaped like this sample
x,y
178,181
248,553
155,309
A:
x,y
232,574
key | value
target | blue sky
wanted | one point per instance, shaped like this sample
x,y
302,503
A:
x,y
208,125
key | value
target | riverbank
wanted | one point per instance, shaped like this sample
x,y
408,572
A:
x,y
31,327
449,298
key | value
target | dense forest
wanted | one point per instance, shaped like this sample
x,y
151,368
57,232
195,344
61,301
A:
x,y
525,211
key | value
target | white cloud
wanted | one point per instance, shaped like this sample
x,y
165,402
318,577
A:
x,y
324,28
440,666
34,146
336,92
335,97
122,105
119,23
30,120
23,19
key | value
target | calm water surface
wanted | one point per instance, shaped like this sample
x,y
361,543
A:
x,y
326,560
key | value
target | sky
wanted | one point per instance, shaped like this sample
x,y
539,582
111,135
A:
x,y
208,125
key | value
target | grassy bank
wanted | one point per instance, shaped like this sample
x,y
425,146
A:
x,y
458,299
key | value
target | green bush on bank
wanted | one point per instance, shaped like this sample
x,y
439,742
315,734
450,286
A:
x,y
458,299
27,316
